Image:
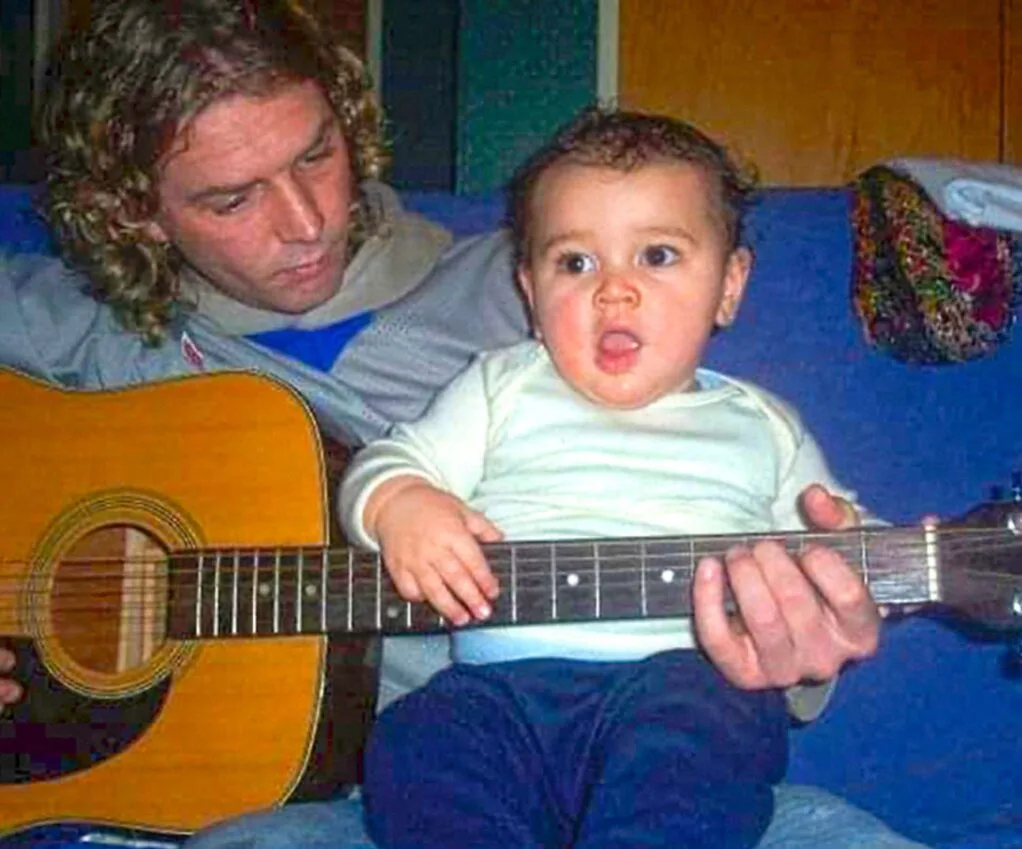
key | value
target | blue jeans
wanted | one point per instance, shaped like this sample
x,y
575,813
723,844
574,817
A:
x,y
553,752
804,818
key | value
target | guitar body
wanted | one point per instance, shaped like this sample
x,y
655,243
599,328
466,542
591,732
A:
x,y
120,724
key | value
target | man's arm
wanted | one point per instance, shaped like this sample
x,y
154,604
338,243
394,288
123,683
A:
x,y
52,329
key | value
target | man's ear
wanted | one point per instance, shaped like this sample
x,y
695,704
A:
x,y
736,275
155,231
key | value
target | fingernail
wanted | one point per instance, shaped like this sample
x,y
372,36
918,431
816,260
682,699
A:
x,y
484,611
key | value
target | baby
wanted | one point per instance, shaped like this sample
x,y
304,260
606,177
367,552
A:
x,y
627,229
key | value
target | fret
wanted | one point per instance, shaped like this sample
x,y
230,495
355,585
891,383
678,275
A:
x,y
934,591
501,559
198,594
514,585
216,594
242,579
379,594
668,572
574,582
553,582
351,590
899,572
529,567
643,597
276,591
255,593
620,579
299,597
234,592
863,558
183,606
324,583
596,580
364,594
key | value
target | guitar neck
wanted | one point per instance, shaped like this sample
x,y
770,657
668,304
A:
x,y
247,592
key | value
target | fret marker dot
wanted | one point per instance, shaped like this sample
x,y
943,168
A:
x,y
572,580
392,611
667,576
311,590
264,590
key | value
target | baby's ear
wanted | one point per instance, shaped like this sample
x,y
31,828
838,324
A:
x,y
736,275
524,277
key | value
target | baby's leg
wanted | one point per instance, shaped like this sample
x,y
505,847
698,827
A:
x,y
454,764
683,759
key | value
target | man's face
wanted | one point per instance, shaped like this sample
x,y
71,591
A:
x,y
256,193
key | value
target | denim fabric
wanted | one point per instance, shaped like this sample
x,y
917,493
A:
x,y
555,753
804,818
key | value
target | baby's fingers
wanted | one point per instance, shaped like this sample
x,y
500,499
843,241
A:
x,y
441,585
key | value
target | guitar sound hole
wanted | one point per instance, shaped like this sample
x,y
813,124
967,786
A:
x,y
109,598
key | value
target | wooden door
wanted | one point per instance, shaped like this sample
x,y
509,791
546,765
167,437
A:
x,y
812,91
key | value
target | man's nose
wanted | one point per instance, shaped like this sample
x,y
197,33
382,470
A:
x,y
299,218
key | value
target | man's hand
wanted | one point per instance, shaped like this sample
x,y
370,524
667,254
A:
x,y
429,540
10,691
796,621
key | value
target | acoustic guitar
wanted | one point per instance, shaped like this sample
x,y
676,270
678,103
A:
x,y
166,574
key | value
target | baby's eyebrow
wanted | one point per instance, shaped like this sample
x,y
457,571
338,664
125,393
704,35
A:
x,y
670,232
558,239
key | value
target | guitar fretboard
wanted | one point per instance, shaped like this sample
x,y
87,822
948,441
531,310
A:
x,y
247,592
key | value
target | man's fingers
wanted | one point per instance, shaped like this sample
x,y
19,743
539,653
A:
x,y
769,590
713,626
10,692
826,512
851,609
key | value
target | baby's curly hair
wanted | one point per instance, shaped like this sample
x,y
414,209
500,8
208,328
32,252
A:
x,y
124,86
621,140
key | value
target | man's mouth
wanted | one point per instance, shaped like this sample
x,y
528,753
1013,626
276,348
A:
x,y
306,270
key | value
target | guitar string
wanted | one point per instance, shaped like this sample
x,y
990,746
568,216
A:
x,y
887,544
365,573
525,596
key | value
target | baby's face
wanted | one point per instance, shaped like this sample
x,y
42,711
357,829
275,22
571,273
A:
x,y
627,274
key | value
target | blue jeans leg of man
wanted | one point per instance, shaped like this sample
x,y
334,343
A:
x,y
804,818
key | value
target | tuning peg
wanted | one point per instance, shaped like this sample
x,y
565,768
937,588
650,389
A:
x,y
1016,485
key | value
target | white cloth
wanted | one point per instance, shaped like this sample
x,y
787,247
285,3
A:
x,y
982,194
513,440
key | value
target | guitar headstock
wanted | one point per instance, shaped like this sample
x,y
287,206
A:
x,y
980,559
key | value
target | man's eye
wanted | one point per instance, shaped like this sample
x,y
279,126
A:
x,y
229,204
576,263
318,154
659,255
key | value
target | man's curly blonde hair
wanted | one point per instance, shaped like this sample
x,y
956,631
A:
x,y
124,87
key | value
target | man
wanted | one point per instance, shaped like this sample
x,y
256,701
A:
x,y
211,177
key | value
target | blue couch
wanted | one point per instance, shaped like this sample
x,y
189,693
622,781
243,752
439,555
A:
x,y
926,735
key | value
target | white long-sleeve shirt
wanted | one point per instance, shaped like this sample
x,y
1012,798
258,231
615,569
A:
x,y
542,462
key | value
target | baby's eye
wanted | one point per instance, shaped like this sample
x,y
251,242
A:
x,y
659,255
576,263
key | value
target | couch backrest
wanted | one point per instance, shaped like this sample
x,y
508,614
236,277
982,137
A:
x,y
911,440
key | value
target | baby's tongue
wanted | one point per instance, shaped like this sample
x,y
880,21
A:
x,y
618,342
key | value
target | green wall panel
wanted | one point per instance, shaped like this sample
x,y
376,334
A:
x,y
524,68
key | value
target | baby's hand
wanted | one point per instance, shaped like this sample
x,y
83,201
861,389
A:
x,y
429,540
